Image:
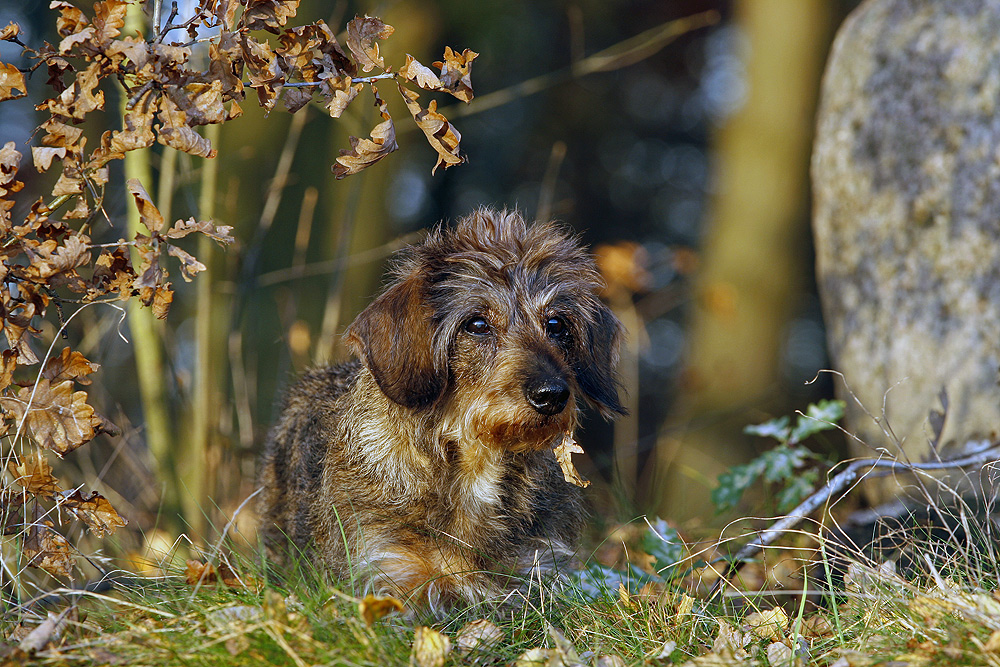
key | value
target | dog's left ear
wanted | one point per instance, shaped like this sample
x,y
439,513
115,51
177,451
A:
x,y
393,336
595,370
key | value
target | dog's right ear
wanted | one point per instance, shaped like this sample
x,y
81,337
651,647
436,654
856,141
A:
x,y
393,336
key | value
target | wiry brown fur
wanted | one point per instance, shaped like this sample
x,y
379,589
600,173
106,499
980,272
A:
x,y
425,468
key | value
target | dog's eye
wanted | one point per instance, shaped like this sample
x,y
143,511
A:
x,y
478,326
555,327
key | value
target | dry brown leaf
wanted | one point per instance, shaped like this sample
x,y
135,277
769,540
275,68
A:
x,y
430,648
8,364
94,510
109,17
421,75
268,15
218,233
69,365
190,266
362,33
11,79
59,418
441,135
137,130
768,624
11,32
341,93
366,152
564,455
49,259
374,607
198,573
456,72
80,98
478,636
42,156
162,297
34,474
149,215
174,131
44,548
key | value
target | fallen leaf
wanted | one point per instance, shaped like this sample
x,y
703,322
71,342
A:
x,y
477,636
430,648
564,452
374,607
768,624
47,632
198,573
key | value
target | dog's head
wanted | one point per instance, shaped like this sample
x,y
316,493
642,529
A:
x,y
498,324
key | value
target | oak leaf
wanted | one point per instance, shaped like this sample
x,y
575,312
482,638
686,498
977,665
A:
x,y
419,74
190,266
11,79
42,156
362,33
109,17
366,152
456,72
174,131
268,15
149,215
94,510
46,549
564,455
69,365
441,135
11,32
58,417
341,93
34,474
218,233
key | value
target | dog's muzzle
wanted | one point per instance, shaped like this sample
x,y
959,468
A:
x,y
547,396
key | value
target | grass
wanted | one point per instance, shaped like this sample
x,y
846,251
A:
x,y
843,610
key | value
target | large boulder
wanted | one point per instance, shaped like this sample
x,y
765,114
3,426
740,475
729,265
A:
x,y
906,180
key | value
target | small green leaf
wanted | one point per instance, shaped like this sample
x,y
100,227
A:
x,y
664,544
733,483
781,462
797,490
821,416
777,428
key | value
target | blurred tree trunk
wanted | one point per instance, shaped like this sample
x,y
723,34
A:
x,y
752,255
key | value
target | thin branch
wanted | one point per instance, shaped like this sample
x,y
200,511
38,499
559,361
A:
x,y
838,483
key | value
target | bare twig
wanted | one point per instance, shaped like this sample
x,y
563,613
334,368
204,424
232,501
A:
x,y
838,483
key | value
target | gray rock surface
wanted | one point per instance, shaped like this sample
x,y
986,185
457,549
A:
x,y
906,181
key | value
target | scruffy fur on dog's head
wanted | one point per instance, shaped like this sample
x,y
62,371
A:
x,y
428,466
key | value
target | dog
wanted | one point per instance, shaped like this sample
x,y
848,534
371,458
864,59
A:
x,y
424,468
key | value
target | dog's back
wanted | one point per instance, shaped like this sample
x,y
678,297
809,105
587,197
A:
x,y
291,466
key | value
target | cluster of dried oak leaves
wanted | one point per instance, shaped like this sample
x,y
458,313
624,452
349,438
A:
x,y
48,258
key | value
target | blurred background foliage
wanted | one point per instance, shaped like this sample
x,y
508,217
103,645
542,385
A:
x,y
684,166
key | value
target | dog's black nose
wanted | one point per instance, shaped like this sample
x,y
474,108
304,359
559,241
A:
x,y
548,396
